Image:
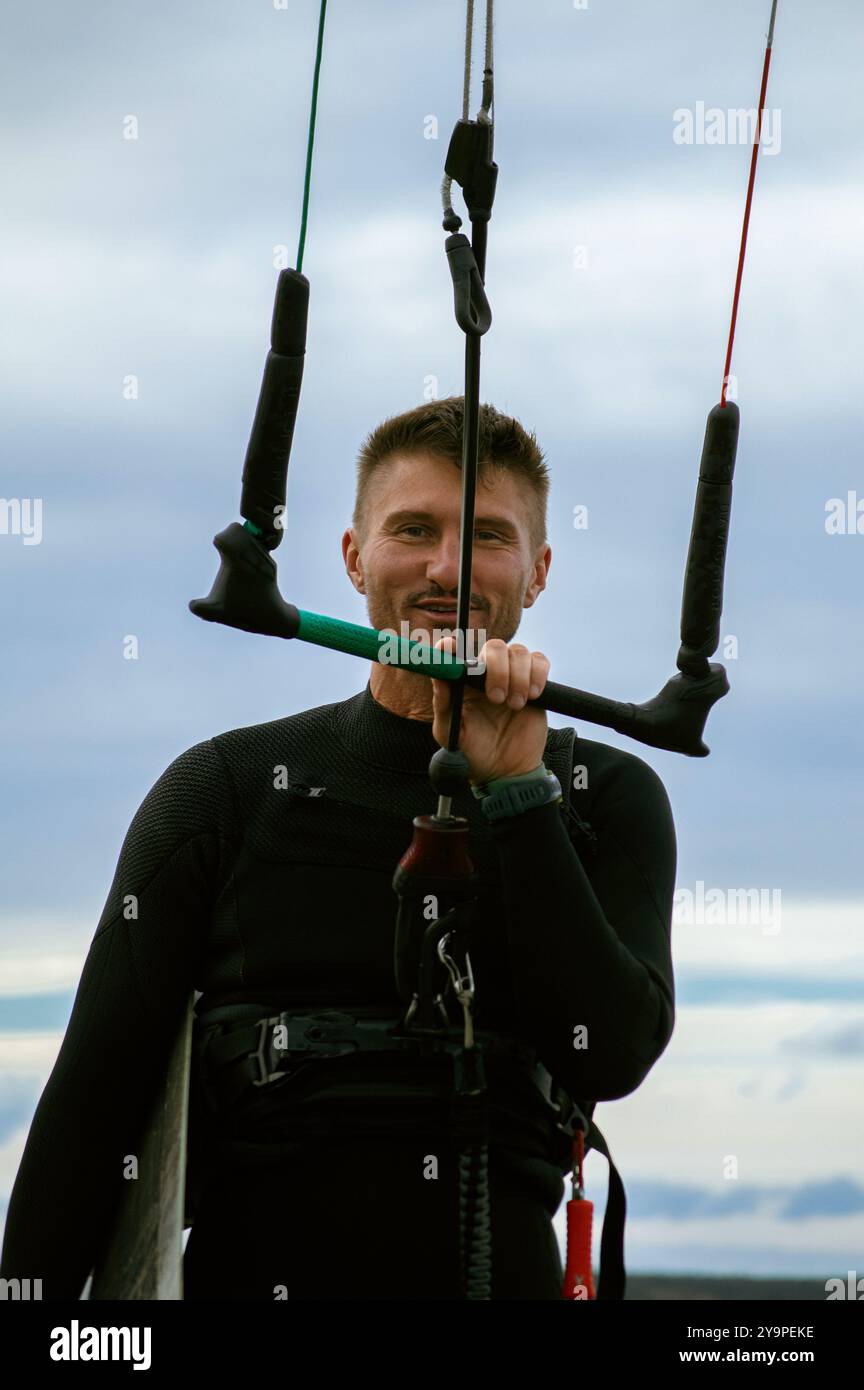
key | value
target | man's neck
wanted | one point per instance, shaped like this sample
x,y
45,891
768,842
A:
x,y
402,692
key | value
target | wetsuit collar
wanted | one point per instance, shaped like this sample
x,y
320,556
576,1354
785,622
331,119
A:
x,y
376,735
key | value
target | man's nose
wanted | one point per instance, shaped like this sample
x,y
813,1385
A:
x,y
442,566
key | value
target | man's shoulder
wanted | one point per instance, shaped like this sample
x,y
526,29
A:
x,y
299,730
272,728
604,769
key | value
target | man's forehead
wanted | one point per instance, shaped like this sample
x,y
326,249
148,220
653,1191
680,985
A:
x,y
391,488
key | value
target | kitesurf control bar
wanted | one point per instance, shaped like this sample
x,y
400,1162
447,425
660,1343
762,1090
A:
x,y
246,595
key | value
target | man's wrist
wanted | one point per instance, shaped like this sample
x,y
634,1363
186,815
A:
x,y
505,777
502,797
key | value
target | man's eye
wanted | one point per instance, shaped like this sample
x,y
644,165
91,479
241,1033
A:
x,y
416,526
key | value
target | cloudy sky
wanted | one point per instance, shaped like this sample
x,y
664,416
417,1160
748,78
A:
x,y
610,271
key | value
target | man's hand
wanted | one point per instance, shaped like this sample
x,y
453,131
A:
x,y
499,736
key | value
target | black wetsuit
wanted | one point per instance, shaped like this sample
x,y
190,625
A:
x,y
247,889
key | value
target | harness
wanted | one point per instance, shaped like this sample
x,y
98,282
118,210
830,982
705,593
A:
x,y
240,1049
399,1069
249,1049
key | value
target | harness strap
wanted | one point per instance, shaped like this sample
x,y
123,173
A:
x,y
254,1054
613,1277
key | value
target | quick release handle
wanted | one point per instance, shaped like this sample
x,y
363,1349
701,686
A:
x,y
702,603
265,471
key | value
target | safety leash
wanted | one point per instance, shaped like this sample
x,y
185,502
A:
x,y
469,1122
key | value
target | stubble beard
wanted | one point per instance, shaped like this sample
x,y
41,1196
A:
x,y
500,622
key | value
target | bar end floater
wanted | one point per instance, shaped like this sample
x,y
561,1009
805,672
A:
x,y
245,592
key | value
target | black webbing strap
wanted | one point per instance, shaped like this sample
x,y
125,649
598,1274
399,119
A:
x,y
613,1277
236,1048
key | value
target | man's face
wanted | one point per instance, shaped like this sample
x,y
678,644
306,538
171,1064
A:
x,y
408,565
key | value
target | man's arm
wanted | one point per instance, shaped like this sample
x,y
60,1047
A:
x,y
142,964
590,946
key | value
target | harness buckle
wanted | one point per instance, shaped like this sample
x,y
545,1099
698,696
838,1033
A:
x,y
258,1055
306,1033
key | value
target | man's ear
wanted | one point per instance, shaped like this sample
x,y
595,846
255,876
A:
x,y
538,581
353,559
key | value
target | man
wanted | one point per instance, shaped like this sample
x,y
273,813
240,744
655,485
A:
x,y
259,870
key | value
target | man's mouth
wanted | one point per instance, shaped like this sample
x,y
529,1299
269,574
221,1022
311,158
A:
x,y
441,610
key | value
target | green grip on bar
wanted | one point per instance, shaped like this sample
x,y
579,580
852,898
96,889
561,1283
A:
x,y
384,647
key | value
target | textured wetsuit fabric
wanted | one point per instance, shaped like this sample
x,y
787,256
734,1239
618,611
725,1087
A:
x,y
259,869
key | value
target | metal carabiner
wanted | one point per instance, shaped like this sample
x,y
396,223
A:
x,y
463,985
